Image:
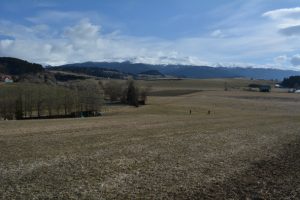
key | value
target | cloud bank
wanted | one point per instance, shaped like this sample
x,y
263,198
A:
x,y
270,42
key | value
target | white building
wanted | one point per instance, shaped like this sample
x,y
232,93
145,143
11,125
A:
x,y
8,80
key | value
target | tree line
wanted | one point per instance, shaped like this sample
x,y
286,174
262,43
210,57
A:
x,y
39,100
291,82
75,99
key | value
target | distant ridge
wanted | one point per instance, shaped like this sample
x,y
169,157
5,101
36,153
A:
x,y
91,71
19,67
152,72
190,71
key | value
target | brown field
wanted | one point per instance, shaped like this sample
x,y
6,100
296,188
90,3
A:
x,y
248,147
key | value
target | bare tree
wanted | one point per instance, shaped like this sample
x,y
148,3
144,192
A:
x,y
114,90
19,114
28,101
89,96
144,92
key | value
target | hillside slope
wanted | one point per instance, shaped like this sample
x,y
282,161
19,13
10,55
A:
x,y
15,66
91,71
24,71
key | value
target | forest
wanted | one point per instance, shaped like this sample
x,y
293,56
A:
x,y
291,82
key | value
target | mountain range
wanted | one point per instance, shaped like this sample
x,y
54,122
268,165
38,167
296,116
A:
x,y
18,67
189,71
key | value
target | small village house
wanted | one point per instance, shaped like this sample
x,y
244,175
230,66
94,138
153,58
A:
x,y
264,88
7,79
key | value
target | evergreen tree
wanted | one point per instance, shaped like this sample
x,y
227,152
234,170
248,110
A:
x,y
132,94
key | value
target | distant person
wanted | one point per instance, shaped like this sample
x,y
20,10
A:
x,y
208,112
190,111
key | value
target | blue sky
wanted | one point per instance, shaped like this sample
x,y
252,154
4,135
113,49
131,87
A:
x,y
258,33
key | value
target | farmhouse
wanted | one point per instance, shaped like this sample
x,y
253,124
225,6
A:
x,y
6,79
261,88
264,88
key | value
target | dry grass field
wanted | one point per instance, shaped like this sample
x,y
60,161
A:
x,y
248,147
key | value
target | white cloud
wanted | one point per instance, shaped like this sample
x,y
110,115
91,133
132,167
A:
x,y
217,33
83,32
283,13
281,59
85,42
6,43
242,45
287,20
291,31
295,60
54,16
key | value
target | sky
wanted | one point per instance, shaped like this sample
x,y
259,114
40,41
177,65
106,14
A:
x,y
253,33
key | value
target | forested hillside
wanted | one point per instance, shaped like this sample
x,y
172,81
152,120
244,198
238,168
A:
x,y
15,66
